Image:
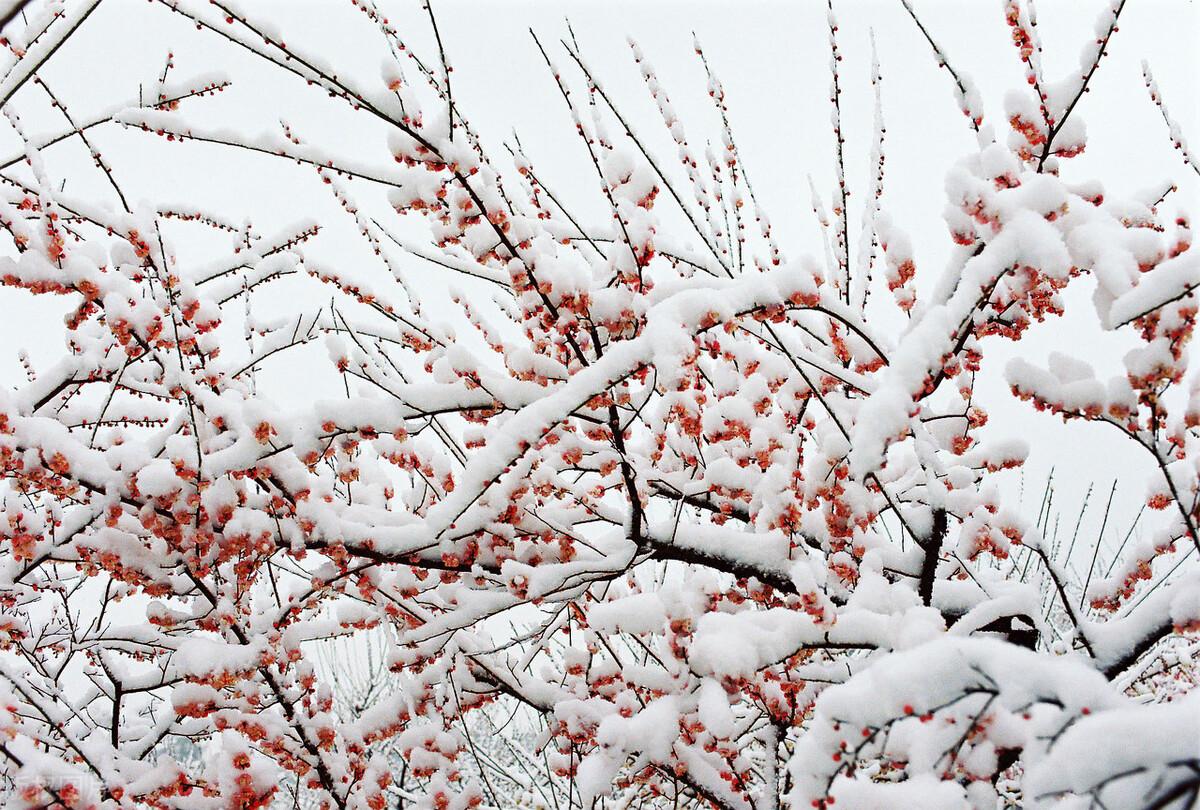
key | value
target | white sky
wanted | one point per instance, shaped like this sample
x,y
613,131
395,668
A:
x,y
773,60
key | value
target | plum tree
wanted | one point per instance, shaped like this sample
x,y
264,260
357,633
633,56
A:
x,y
682,503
